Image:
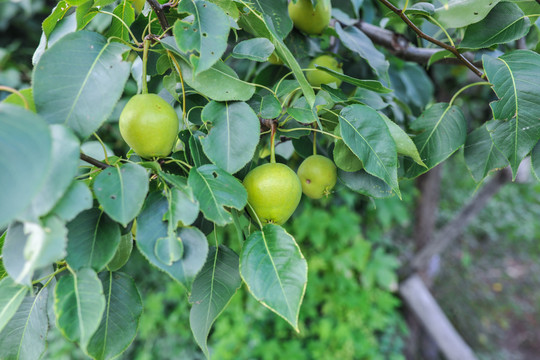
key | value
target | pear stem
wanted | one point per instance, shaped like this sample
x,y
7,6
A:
x,y
145,60
314,142
272,147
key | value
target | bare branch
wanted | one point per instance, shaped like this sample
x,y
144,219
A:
x,y
158,9
93,161
421,34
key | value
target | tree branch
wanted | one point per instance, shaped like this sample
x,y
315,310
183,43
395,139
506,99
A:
x,y
401,47
158,9
93,161
456,226
419,32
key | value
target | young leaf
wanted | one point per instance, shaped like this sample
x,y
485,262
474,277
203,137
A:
x,y
212,290
56,15
150,227
25,155
79,304
92,240
443,131
124,11
123,308
121,191
11,297
481,155
367,135
24,335
64,165
505,23
206,33
234,135
215,189
30,246
80,65
257,49
275,271
516,114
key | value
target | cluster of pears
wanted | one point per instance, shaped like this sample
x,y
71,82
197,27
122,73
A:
x,y
274,189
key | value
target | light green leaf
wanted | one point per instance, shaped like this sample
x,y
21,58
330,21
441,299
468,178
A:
x,y
505,23
421,8
184,207
76,199
257,49
212,291
25,155
515,130
345,159
124,11
81,65
11,297
216,189
367,135
169,249
481,155
79,304
122,254
49,24
121,191
123,308
234,135
443,130
460,13
207,33
23,338
275,271
92,240
150,227
84,14
404,144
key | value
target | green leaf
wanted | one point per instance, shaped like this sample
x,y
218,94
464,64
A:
x,y
365,184
358,42
196,149
150,227
24,336
404,144
92,240
443,130
365,132
169,249
63,167
257,49
216,189
505,23
122,254
124,11
206,33
120,321
80,65
276,11
25,155
345,158
184,207
212,290
372,85
56,15
76,199
515,130
535,161
421,8
84,14
79,304
275,271
460,13
121,191
220,82
11,297
481,155
30,246
234,135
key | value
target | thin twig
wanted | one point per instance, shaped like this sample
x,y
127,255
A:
x,y
439,43
93,161
158,9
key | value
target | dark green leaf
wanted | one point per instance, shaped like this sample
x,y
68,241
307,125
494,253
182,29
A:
x,y
421,8
80,65
372,85
515,130
481,155
535,161
276,11
212,290
196,149
275,271
216,189
150,227
92,240
25,155
122,254
123,308
257,49
365,184
79,304
234,135
121,191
